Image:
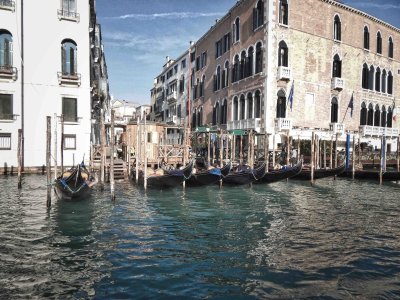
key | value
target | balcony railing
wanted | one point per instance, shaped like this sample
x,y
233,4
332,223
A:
x,y
337,83
172,96
69,79
245,124
8,117
8,72
336,128
284,73
282,124
7,4
367,130
67,15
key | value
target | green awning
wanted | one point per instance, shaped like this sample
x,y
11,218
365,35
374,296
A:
x,y
202,129
238,132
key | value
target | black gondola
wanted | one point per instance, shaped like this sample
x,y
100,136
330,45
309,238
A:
x,y
207,177
76,183
388,175
168,178
244,175
283,173
305,173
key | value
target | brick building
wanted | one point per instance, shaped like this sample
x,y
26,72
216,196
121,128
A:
x,y
341,66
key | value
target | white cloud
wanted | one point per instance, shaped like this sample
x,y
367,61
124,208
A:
x,y
170,15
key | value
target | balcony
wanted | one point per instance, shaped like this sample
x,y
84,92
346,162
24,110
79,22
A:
x,y
337,83
367,130
283,124
8,117
172,97
7,5
336,128
8,72
67,15
245,124
284,73
173,119
69,79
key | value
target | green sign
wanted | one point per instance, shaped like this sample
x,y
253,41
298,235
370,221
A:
x,y
202,129
238,132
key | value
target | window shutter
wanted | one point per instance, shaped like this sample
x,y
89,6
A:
x,y
255,17
7,52
63,59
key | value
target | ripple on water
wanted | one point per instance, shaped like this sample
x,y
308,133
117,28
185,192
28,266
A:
x,y
335,240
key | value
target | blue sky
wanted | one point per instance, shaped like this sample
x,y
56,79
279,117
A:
x,y
139,34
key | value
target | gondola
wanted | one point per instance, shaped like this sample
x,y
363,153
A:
x,y
305,173
164,178
244,175
388,175
76,183
281,174
207,177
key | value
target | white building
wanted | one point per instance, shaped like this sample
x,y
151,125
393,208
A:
x,y
54,79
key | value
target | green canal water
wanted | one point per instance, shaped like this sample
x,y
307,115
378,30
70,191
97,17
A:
x,y
335,240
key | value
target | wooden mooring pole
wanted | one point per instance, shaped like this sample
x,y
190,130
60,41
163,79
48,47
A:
x,y
62,143
128,148
137,151
55,147
266,151
102,150
19,150
353,167
273,152
48,160
312,156
145,153
112,142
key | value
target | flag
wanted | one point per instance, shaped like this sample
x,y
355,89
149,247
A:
x,y
290,98
351,105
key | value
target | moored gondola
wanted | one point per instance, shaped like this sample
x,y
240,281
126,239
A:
x,y
281,174
305,173
244,175
163,178
76,183
209,176
371,174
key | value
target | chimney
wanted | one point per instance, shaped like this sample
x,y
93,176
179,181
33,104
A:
x,y
167,57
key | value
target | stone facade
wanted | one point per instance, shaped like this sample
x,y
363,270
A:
x,y
320,55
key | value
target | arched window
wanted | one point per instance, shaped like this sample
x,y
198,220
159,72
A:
x,y
366,38
337,67
250,61
370,115
337,29
371,78
202,85
235,69
242,107
6,50
257,103
199,117
283,53
69,57
217,114
194,118
225,75
235,109
390,83
259,57
224,112
365,73
377,116
281,105
379,43
250,106
389,118
218,78
383,117
236,30
258,15
378,79
283,12
363,114
334,110
390,50
242,72
384,78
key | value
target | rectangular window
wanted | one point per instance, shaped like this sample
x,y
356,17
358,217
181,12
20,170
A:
x,y
149,140
5,141
176,69
69,109
197,63
69,141
6,107
192,56
183,64
203,59
69,5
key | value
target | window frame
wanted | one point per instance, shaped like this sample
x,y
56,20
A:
x,y
11,104
6,136
69,136
75,119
